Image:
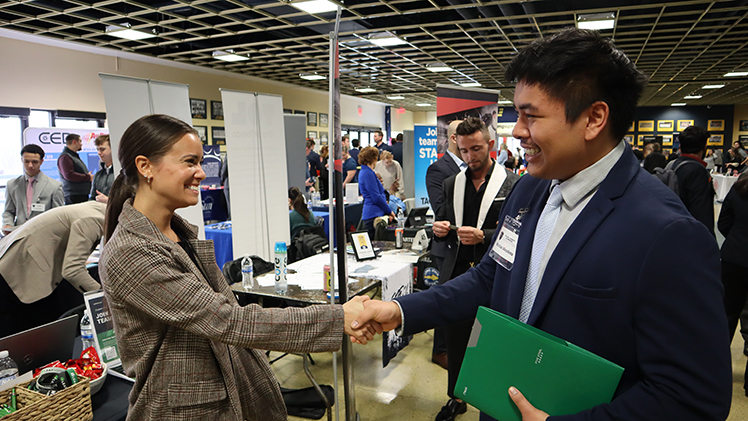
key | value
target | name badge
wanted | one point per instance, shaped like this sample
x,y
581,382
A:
x,y
505,246
38,207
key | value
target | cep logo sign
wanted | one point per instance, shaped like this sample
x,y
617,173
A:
x,y
52,138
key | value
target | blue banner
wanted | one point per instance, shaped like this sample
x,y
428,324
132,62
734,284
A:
x,y
212,165
425,154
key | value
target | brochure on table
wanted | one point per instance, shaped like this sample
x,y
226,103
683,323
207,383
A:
x,y
101,317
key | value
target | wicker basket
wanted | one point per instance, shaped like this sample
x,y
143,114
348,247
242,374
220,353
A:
x,y
70,404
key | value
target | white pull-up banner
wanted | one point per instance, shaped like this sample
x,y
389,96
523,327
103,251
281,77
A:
x,y
256,148
127,99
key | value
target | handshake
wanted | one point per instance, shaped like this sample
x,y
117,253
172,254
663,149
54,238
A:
x,y
365,318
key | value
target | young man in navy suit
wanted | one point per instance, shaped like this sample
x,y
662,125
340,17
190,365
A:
x,y
593,275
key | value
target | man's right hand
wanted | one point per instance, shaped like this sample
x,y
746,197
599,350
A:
x,y
6,229
440,228
386,313
101,197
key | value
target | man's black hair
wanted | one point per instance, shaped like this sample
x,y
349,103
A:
x,y
355,143
580,67
471,125
693,139
33,148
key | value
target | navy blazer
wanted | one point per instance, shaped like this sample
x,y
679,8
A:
x,y
611,287
437,172
733,224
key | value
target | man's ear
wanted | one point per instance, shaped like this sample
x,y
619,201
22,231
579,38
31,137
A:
x,y
597,119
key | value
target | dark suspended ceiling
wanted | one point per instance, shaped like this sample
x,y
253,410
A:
x,y
681,45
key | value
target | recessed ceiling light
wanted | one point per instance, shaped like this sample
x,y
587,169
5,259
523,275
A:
x,y
712,86
365,90
438,67
385,39
470,85
228,55
505,101
311,76
423,104
692,97
596,21
315,6
124,31
395,97
678,104
736,74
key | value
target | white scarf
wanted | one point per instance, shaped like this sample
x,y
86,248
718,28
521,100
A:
x,y
498,175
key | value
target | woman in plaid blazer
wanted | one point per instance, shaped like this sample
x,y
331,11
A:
x,y
193,351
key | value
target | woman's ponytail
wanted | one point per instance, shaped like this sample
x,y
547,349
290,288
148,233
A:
x,y
119,192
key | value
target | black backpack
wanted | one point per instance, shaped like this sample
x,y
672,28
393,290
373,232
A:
x,y
232,270
669,176
308,242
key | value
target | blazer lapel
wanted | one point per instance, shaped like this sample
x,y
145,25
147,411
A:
x,y
498,175
451,163
583,227
598,208
41,184
458,198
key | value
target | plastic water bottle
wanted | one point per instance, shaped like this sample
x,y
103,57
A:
x,y
87,331
8,368
281,283
400,218
247,273
400,231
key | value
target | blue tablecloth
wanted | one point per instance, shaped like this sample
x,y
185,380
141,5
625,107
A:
x,y
222,241
222,237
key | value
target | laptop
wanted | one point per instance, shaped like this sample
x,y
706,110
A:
x,y
417,217
42,345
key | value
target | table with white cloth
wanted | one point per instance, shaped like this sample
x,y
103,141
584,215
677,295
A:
x,y
305,277
722,185
392,270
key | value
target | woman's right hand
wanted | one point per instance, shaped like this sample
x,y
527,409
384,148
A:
x,y
361,334
392,216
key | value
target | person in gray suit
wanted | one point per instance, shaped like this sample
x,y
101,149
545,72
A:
x,y
38,256
45,193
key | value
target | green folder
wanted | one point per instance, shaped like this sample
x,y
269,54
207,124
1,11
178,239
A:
x,y
556,376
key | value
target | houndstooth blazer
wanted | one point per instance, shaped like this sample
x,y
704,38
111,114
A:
x,y
193,351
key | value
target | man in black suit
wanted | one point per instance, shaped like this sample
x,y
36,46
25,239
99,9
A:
x,y
397,149
467,216
449,164
314,165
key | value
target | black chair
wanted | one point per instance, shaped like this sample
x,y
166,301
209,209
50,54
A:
x,y
75,310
